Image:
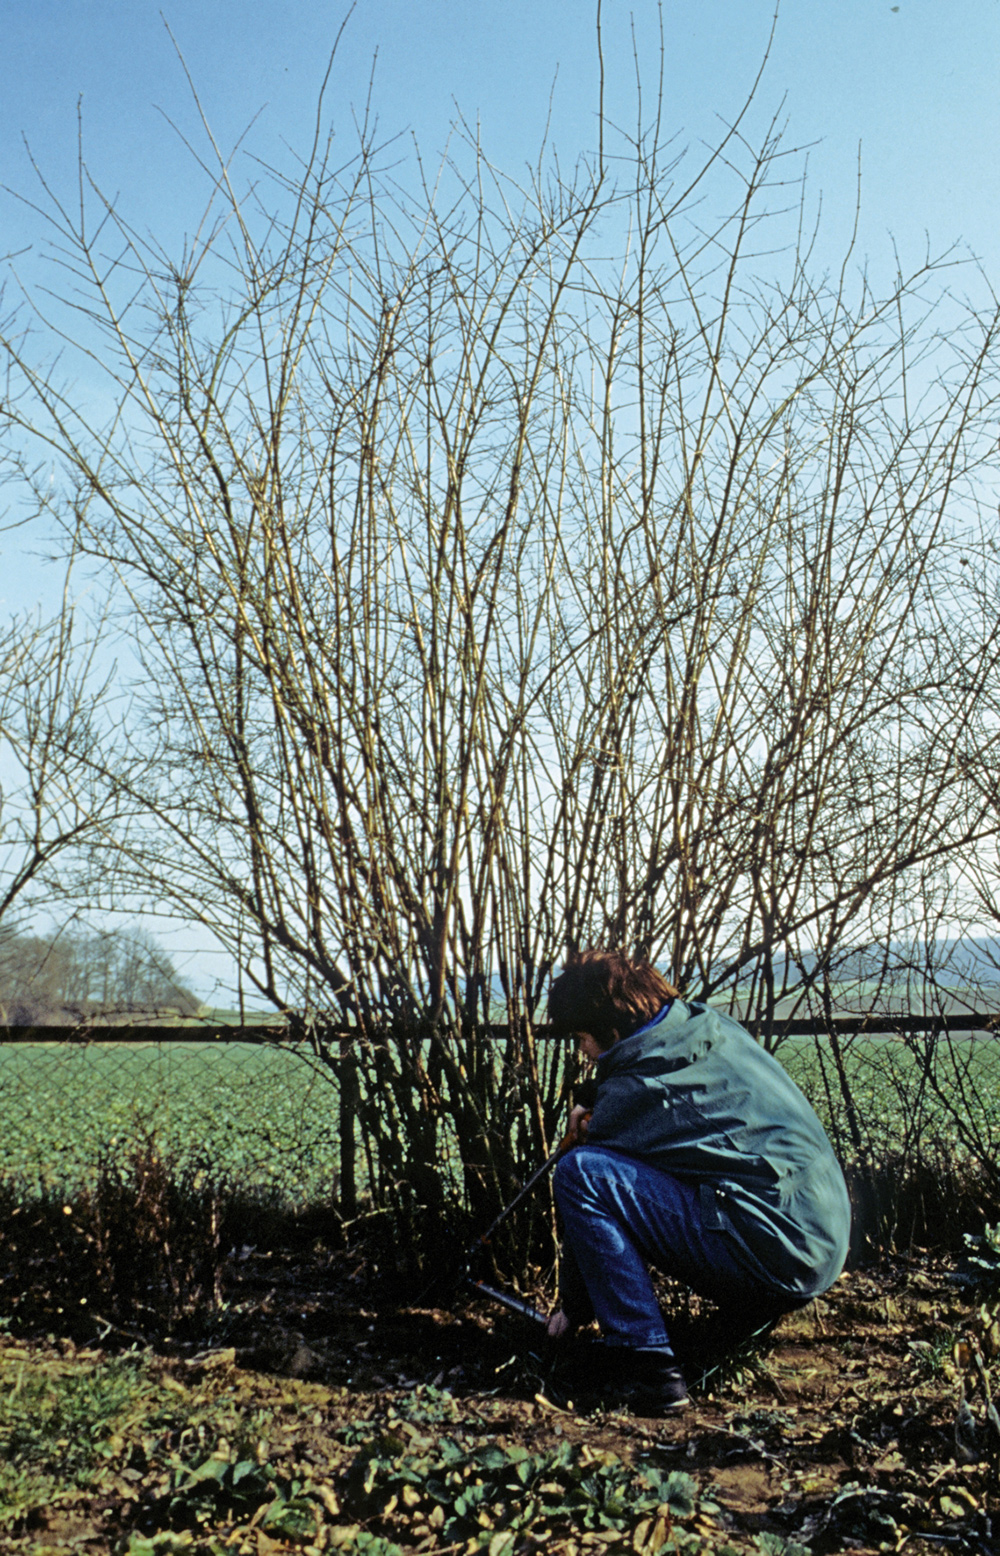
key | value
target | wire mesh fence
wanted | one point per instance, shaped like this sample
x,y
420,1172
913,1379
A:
x,y
256,1113
261,1116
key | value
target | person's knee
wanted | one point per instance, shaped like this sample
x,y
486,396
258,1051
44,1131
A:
x,y
566,1171
571,1179
587,1178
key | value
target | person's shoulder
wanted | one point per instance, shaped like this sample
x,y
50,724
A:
x,y
685,1032
705,1030
720,1020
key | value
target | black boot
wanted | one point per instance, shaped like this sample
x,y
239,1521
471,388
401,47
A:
x,y
649,1383
620,1377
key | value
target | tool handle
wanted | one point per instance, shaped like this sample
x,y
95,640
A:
x,y
567,1144
508,1299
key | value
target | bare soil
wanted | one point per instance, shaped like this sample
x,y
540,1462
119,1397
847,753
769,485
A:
x,y
865,1426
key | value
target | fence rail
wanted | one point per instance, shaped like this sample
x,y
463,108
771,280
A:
x,y
873,1023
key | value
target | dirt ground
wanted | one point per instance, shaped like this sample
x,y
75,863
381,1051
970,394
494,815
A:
x,y
866,1426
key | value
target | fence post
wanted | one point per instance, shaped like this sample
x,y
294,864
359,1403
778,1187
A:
x,y
348,1070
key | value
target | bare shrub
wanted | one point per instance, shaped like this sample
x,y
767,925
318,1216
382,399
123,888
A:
x,y
521,564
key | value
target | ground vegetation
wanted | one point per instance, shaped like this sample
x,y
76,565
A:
x,y
315,1408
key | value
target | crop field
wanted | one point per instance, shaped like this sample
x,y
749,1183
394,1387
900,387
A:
x,y
264,1118
261,1117
893,1098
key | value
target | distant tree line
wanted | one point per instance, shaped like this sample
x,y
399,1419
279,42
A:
x,y
86,975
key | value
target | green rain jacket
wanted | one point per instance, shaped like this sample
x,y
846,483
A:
x,y
694,1095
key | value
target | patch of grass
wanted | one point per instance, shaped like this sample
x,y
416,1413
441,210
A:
x,y
89,1426
60,1424
55,1421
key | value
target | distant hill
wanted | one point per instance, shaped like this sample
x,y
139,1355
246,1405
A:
x,y
954,963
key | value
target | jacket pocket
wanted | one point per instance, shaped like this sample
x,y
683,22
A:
x,y
712,1218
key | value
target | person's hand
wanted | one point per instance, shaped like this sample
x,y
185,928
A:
x,y
558,1325
579,1124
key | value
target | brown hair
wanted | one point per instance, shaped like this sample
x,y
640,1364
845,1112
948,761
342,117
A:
x,y
604,993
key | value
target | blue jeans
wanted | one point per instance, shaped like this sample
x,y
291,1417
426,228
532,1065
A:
x,y
620,1216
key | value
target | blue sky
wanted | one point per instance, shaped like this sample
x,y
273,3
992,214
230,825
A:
x,y
912,87
914,84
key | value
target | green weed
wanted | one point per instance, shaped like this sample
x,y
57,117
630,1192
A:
x,y
983,1259
469,1493
58,1428
223,1489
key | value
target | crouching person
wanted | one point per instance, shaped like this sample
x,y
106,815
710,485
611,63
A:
x,y
702,1158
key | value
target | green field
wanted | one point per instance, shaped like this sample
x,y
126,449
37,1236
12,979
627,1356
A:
x,y
262,1117
894,1100
265,1119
